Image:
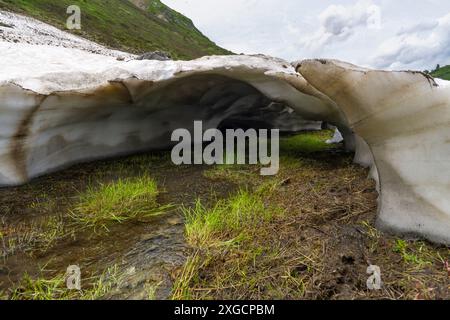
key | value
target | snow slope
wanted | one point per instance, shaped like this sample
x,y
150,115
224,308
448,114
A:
x,y
16,28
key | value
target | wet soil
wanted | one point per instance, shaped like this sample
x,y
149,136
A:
x,y
150,249
327,238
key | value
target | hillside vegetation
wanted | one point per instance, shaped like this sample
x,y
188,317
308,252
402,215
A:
x,y
135,26
159,9
442,73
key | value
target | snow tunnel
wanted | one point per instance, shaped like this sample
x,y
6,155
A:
x,y
397,122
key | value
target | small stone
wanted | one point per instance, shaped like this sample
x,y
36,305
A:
x,y
174,221
148,236
131,271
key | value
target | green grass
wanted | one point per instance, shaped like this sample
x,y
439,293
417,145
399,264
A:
x,y
233,252
227,228
28,237
121,25
227,220
54,288
40,289
118,202
442,73
233,173
410,255
290,148
307,142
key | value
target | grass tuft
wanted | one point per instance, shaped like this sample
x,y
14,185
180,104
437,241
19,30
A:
x,y
118,202
227,220
54,288
411,256
27,237
226,229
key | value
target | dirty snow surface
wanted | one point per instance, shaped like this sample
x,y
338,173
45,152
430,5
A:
x,y
16,28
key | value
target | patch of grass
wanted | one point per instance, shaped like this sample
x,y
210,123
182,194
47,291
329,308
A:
x,y
227,221
227,229
306,142
102,285
40,289
410,255
373,235
318,248
290,148
30,237
182,288
54,288
151,290
52,230
239,174
118,202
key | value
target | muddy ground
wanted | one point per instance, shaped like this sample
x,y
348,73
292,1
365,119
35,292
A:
x,y
319,248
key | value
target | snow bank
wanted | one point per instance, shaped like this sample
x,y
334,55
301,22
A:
x,y
16,28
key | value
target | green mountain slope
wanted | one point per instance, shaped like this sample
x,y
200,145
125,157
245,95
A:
x,y
159,9
442,73
123,25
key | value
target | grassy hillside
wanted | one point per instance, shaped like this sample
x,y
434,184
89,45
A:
x,y
123,25
442,73
159,9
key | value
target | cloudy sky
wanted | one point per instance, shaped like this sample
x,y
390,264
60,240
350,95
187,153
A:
x,y
388,34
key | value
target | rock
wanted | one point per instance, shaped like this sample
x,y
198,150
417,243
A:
x,y
130,271
155,55
173,221
60,106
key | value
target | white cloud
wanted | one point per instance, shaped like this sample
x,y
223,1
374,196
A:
x,y
339,22
422,44
412,35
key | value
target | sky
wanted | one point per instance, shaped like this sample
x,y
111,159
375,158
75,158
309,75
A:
x,y
384,34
